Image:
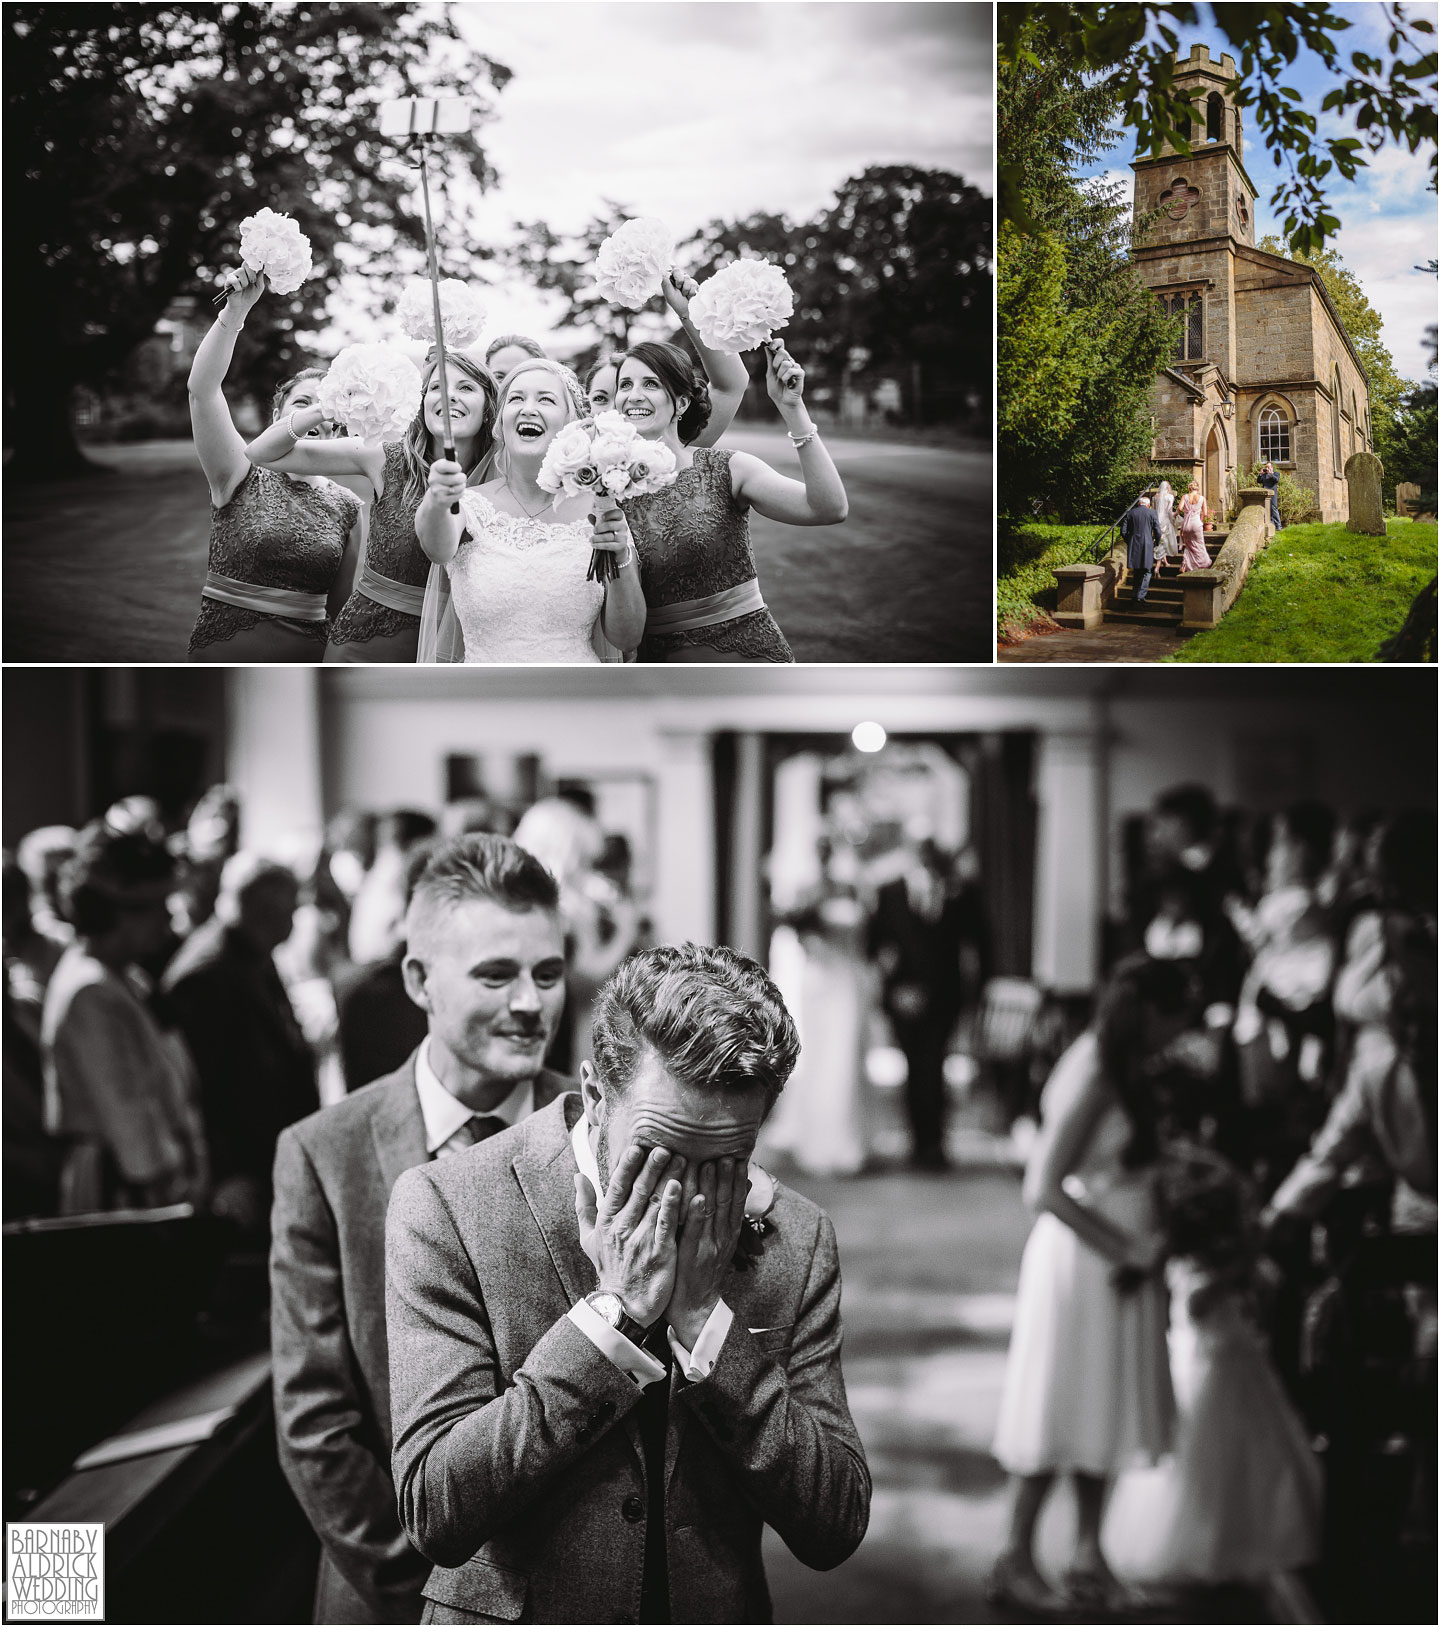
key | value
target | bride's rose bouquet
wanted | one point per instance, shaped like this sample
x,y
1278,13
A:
x,y
742,305
462,312
273,244
607,459
631,265
374,390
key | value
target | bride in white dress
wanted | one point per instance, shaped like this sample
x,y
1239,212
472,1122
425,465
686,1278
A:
x,y
517,559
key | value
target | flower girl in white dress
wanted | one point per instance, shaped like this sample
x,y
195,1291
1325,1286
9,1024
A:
x,y
517,558
1240,1499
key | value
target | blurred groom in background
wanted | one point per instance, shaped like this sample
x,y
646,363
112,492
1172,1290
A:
x,y
485,963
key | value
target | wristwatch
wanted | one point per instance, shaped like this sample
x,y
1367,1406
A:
x,y
611,1309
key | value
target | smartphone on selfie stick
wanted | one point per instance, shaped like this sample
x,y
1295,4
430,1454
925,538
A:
x,y
424,120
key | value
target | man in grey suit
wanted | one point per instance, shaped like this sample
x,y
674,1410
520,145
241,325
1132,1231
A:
x,y
614,1345
486,965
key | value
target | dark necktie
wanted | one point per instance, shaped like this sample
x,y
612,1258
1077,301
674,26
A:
x,y
478,1127
653,1415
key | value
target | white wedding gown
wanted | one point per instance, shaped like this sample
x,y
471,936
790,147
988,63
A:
x,y
519,587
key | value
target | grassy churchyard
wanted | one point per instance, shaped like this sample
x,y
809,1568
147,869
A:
x,y
1322,593
1317,593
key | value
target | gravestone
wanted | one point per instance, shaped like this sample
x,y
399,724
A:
x,y
1363,474
1407,496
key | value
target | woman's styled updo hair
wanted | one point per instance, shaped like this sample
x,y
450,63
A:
x,y
519,340
110,871
598,369
287,385
679,376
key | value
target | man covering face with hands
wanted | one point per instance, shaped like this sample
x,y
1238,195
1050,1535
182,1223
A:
x,y
615,1348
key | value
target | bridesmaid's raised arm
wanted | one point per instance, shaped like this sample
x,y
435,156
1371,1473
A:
x,y
726,371
818,498
284,446
217,441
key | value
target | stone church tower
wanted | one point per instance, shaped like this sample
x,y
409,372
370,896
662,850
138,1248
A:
x,y
1264,368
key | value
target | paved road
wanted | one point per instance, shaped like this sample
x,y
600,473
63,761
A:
x,y
109,569
1115,641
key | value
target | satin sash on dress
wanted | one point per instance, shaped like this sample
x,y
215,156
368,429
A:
x,y
686,614
392,594
288,602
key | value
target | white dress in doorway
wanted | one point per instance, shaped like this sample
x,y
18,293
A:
x,y
1087,1379
822,1120
519,587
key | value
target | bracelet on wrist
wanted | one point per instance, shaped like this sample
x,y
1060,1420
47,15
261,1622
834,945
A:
x,y
797,441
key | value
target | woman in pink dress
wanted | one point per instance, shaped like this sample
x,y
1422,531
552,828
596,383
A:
x,y
1193,556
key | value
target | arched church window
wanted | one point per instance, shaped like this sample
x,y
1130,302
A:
x,y
1274,436
1337,403
1214,116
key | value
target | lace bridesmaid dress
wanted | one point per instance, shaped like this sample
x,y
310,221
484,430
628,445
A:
x,y
366,630
519,588
693,539
274,532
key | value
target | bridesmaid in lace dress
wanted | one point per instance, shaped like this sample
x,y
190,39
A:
x,y
696,564
380,621
728,377
276,544
516,558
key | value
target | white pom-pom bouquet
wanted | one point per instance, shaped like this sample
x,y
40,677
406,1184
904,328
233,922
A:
x,y
462,312
374,390
631,265
607,458
273,244
741,306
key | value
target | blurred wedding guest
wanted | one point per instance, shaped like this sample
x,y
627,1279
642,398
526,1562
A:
x,y
378,910
31,1159
224,993
211,836
379,1024
602,924
1188,857
1087,1381
916,933
43,854
1283,1027
485,963
30,956
120,1092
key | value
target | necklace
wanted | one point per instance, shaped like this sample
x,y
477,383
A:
x,y
525,511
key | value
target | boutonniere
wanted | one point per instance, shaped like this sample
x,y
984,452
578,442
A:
x,y
757,1225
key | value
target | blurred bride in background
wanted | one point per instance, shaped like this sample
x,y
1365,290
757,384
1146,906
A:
x,y
823,1120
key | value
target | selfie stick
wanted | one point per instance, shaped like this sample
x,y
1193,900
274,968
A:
x,y
424,120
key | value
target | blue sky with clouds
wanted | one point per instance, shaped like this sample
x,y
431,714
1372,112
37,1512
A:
x,y
1388,218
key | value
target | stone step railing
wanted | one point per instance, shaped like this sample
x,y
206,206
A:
x,y
1085,591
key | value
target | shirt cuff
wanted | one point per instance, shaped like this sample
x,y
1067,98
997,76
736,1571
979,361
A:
x,y
700,1363
629,1358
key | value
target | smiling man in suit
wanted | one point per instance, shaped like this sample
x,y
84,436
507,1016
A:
x,y
485,962
614,1353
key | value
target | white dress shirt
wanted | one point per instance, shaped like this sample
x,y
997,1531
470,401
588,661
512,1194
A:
x,y
628,1357
444,1114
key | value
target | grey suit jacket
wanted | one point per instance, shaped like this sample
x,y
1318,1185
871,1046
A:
x,y
517,1458
333,1175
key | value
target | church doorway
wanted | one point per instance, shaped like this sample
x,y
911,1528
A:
x,y
1215,475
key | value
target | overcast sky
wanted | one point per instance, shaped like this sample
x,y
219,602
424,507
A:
x,y
719,108
1387,215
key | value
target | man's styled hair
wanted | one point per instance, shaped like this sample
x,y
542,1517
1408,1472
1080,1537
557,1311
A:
x,y
480,865
710,1014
